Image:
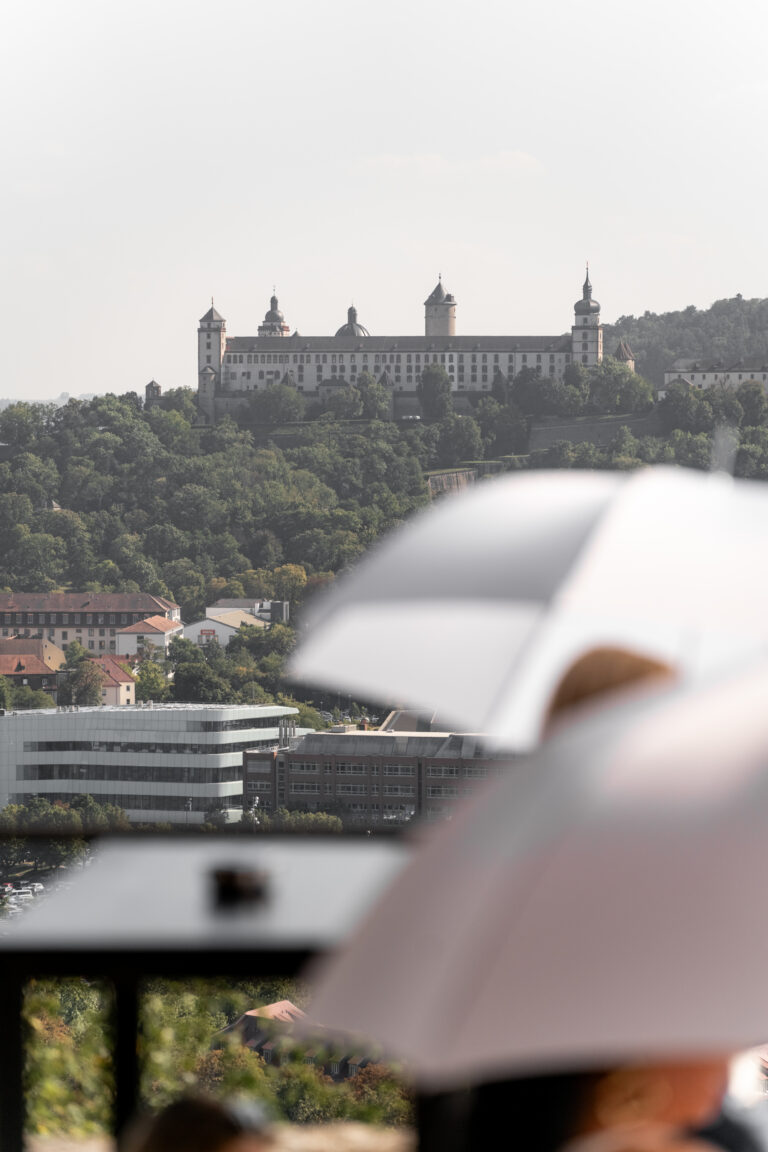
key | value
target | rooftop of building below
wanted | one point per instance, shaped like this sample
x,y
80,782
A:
x,y
233,710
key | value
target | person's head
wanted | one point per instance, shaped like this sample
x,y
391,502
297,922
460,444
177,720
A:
x,y
200,1124
598,673
632,1108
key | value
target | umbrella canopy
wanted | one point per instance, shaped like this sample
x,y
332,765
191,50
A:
x,y
478,606
601,902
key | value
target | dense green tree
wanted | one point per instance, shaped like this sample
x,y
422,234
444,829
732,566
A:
x,y
344,403
434,392
83,685
276,404
75,654
20,424
376,399
194,682
46,820
12,848
23,698
459,440
151,682
308,716
284,820
753,402
613,387
183,651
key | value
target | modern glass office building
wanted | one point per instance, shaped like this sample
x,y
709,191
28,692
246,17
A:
x,y
162,762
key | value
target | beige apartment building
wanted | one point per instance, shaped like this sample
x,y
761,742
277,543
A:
x,y
92,618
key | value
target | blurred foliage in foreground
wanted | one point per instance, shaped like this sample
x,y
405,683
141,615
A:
x,y
69,1077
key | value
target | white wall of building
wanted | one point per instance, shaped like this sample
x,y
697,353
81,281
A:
x,y
130,643
707,379
205,631
149,760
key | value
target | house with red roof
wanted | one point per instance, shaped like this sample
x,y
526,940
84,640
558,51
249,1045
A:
x,y
154,632
269,1032
91,618
25,670
118,686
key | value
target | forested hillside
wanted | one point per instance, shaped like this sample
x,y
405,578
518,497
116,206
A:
x,y
729,331
106,495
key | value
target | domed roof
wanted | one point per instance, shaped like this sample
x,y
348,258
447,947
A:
x,y
274,316
586,306
352,328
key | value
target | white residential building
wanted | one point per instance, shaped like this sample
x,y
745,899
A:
x,y
167,762
702,374
154,632
221,627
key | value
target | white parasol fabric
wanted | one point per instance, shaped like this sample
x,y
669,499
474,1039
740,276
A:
x,y
478,606
603,901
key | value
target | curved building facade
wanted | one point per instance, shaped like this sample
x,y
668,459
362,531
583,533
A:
x,y
167,762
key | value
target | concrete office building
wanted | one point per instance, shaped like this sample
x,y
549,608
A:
x,y
167,762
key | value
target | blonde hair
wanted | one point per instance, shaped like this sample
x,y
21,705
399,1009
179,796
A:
x,y
598,673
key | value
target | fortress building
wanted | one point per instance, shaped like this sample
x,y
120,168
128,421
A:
x,y
230,367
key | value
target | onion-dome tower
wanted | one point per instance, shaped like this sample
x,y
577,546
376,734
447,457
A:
x,y
587,331
274,321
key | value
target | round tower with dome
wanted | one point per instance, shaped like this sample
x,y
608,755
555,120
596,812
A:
x,y
587,331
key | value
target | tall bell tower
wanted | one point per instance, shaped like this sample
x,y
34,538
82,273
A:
x,y
211,343
587,331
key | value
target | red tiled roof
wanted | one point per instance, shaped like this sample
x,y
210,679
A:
x,y
84,602
152,624
44,650
22,665
281,1010
113,670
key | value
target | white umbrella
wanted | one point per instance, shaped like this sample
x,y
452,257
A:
x,y
602,902
479,605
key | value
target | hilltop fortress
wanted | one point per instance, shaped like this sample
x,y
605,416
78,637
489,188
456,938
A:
x,y
231,367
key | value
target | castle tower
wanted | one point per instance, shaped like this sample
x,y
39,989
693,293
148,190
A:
x,y
152,393
439,312
274,321
211,344
587,331
625,355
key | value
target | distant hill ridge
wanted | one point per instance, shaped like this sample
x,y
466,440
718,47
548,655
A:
x,y
728,331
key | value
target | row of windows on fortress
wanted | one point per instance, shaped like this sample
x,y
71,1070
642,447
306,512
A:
x,y
480,365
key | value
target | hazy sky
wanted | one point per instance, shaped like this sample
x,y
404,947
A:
x,y
157,153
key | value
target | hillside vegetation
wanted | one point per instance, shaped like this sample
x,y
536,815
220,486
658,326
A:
x,y
729,331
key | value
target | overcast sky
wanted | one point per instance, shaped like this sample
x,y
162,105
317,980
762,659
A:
x,y
160,152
